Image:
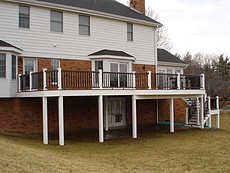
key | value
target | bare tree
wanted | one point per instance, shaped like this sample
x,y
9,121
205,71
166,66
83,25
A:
x,y
163,40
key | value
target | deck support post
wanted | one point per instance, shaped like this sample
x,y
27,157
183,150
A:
x,y
31,80
157,111
171,115
198,112
202,111
178,81
218,114
134,116
100,77
61,120
106,114
186,115
100,118
45,120
134,79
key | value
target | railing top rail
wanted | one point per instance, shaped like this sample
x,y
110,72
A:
x,y
191,75
80,71
141,73
116,72
165,74
51,70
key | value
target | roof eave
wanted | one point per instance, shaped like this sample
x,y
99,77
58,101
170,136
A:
x,y
174,64
86,11
112,57
10,49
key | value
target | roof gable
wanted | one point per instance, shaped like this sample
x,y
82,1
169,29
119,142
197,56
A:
x,y
5,44
106,6
111,53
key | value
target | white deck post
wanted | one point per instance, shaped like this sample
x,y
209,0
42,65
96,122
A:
x,y
209,103
218,115
202,111
202,81
134,79
134,116
186,115
171,115
31,80
157,111
100,78
100,118
45,120
106,114
61,120
149,80
44,78
210,121
178,81
59,79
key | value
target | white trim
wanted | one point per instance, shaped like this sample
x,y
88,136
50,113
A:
x,y
61,120
10,49
134,116
112,57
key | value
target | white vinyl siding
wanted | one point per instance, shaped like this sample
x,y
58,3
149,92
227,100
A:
x,y
56,21
24,17
84,25
104,34
2,65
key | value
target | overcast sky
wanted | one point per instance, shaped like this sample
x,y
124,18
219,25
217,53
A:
x,y
195,25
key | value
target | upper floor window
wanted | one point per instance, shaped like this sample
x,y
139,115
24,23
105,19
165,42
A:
x,y
13,66
56,21
129,32
24,17
2,65
98,65
84,25
55,64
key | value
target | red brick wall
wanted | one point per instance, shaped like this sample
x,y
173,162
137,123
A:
x,y
143,68
179,109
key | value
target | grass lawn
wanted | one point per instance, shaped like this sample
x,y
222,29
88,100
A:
x,y
191,150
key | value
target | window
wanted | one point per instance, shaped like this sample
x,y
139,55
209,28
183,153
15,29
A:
x,y
2,65
55,64
13,66
56,21
84,25
98,65
24,17
129,32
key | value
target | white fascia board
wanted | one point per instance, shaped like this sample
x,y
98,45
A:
x,y
85,11
172,64
112,57
10,49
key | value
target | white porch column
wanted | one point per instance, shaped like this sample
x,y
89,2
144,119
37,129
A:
x,y
218,115
210,121
198,111
178,81
61,120
202,112
134,79
186,115
19,83
171,115
100,118
134,116
31,82
100,77
45,120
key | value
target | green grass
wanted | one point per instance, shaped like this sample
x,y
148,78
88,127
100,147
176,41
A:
x,y
191,150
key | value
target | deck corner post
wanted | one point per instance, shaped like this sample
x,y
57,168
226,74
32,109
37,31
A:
x,y
202,111
202,81
218,114
186,115
44,78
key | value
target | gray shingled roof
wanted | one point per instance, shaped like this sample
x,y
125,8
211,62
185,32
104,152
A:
x,y
165,56
111,52
106,6
5,44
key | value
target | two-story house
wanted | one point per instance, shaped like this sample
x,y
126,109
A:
x,y
73,65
